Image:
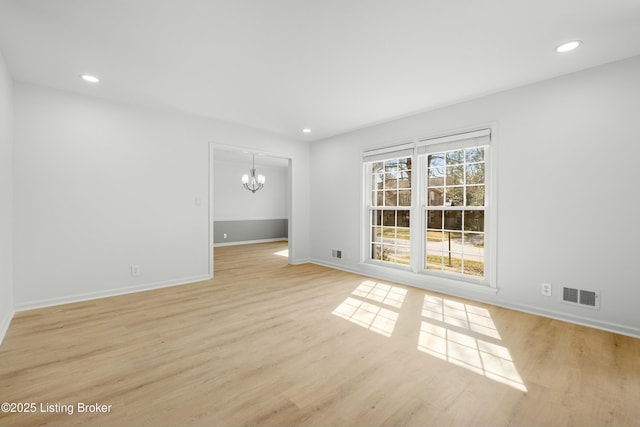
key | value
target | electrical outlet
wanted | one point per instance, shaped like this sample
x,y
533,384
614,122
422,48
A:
x,y
545,289
225,235
135,270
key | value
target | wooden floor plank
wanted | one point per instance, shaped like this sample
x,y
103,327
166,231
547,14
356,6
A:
x,y
269,344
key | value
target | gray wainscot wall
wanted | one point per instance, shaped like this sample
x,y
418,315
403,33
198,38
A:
x,y
249,230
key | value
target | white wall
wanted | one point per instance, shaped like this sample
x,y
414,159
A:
x,y
6,197
233,203
568,152
100,186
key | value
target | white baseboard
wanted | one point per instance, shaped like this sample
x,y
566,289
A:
x,y
68,299
300,261
483,295
5,322
250,242
578,320
336,266
434,284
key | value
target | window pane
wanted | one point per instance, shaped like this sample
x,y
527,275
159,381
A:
x,y
434,261
435,159
444,251
434,243
436,196
404,163
403,218
453,220
403,235
391,165
475,154
390,180
389,218
376,252
434,220
388,253
404,198
454,196
378,181
377,167
455,157
474,244
453,241
475,173
474,265
474,220
403,255
455,175
475,195
452,262
379,198
376,234
404,180
435,239
376,218
391,198
388,234
436,177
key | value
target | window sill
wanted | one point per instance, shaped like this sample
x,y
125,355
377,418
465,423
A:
x,y
387,265
430,282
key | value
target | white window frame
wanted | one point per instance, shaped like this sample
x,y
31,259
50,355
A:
x,y
457,141
481,135
378,155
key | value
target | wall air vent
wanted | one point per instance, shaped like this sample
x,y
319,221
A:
x,y
583,297
570,295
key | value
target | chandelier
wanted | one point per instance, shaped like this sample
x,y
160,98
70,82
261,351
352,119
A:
x,y
252,182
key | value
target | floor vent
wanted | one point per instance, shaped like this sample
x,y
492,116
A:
x,y
585,298
336,253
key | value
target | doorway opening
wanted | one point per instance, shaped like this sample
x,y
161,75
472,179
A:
x,y
238,216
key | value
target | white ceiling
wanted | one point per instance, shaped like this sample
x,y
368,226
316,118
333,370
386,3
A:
x,y
238,156
330,65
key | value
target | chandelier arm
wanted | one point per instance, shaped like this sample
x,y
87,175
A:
x,y
254,183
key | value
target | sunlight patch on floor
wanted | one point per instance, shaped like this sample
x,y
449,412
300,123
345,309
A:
x,y
381,292
454,340
465,316
284,253
367,307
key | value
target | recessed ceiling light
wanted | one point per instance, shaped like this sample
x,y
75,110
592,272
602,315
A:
x,y
568,46
306,130
89,78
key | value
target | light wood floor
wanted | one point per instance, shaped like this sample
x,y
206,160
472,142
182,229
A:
x,y
268,344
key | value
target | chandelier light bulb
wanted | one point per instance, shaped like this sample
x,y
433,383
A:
x,y
251,181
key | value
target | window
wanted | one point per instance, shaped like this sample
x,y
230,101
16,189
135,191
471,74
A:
x,y
390,210
427,206
455,211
